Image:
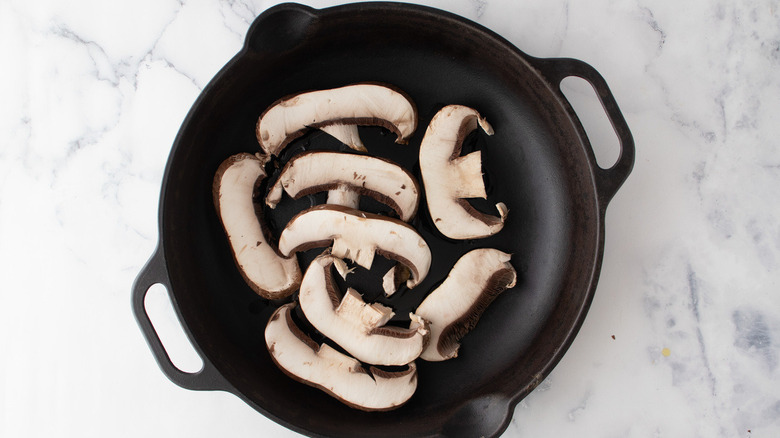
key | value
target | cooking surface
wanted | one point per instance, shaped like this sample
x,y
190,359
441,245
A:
x,y
682,336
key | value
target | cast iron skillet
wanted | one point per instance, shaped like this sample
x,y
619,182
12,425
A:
x,y
539,163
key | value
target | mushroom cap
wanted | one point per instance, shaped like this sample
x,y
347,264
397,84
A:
x,y
367,104
449,178
357,236
235,184
339,375
356,326
381,179
454,308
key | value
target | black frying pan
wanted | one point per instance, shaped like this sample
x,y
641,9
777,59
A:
x,y
539,163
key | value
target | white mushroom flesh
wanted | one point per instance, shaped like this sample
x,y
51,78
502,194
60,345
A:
x,y
347,176
343,196
359,104
358,327
269,274
339,375
454,307
357,236
449,179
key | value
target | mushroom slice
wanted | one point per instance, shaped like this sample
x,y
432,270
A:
x,y
357,236
265,271
450,178
358,327
339,375
334,111
454,307
394,278
345,174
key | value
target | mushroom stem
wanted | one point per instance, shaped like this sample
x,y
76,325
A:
x,y
344,196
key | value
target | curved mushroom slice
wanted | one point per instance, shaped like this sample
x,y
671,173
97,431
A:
x,y
337,111
337,374
449,178
394,278
357,236
454,307
265,271
344,174
358,327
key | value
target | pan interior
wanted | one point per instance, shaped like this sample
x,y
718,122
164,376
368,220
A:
x,y
536,163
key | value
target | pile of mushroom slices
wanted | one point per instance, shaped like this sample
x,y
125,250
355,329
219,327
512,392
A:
x,y
370,364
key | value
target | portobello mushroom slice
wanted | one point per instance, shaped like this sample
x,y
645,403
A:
x,y
358,327
394,278
454,308
346,176
357,236
339,375
337,111
235,185
449,178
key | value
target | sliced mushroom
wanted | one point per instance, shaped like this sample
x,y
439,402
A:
x,y
394,278
346,174
265,271
339,375
358,327
449,178
357,236
454,307
337,111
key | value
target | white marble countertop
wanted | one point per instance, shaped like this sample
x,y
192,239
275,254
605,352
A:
x,y
682,339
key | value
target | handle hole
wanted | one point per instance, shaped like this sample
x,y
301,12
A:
x,y
603,139
157,304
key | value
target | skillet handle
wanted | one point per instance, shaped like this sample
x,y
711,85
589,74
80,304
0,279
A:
x,y
281,28
155,271
608,180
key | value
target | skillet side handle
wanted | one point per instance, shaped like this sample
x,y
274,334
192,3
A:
x,y
608,180
281,28
154,272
